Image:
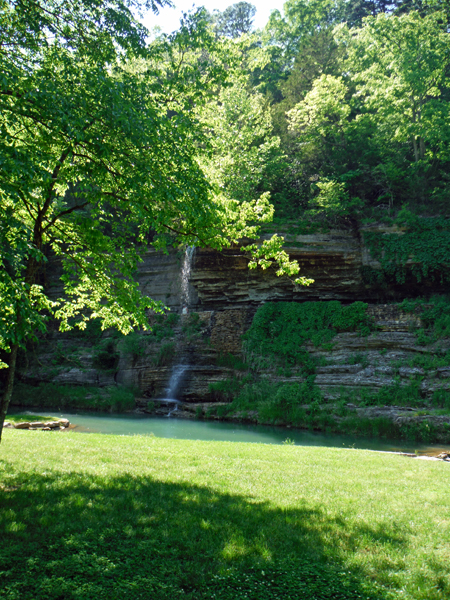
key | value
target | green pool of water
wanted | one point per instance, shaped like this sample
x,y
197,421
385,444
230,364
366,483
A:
x,y
132,424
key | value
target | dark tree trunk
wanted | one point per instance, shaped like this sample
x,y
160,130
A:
x,y
6,397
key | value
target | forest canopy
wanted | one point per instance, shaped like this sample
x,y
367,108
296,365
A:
x,y
359,96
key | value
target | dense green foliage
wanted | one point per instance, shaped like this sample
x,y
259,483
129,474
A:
x,y
435,315
303,405
278,348
360,105
101,155
72,397
102,516
337,113
282,329
421,247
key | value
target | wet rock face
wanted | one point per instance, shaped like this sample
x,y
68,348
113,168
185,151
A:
x,y
219,334
227,328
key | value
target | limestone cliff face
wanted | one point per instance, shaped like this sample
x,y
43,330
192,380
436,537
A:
x,y
333,260
338,262
225,294
158,275
222,281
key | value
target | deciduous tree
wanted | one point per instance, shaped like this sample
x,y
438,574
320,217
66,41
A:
x,y
235,20
95,152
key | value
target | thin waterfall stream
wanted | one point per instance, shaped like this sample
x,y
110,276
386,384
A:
x,y
179,370
185,277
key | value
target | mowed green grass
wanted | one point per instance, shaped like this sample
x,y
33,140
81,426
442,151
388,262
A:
x,y
24,418
100,516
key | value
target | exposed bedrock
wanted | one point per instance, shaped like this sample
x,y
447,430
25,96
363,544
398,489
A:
x,y
336,261
225,294
222,281
357,363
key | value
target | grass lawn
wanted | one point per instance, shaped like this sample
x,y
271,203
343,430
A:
x,y
109,517
22,418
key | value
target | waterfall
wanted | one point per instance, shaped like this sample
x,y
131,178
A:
x,y
179,370
185,276
175,380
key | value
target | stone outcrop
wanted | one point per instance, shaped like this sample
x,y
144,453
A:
x,y
222,281
354,363
225,294
59,425
337,261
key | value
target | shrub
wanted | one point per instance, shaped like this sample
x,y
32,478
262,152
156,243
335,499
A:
x,y
165,354
435,315
135,344
228,389
424,240
162,327
105,355
231,361
283,329
192,325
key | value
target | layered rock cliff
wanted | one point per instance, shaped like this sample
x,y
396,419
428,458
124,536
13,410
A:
x,y
224,295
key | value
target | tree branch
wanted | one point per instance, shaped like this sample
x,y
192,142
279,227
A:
x,y
64,212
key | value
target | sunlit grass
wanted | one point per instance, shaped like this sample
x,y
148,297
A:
x,y
22,418
98,516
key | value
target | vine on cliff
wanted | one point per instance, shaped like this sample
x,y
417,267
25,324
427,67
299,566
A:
x,y
422,245
435,316
282,329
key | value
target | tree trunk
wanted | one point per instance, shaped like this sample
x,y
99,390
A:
x,y
422,148
6,397
416,150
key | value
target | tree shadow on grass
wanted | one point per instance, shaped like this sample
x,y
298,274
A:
x,y
75,536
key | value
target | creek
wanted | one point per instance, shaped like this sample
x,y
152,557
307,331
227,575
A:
x,y
133,424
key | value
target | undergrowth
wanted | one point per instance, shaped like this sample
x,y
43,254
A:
x,y
165,354
231,361
421,248
191,325
277,345
281,330
112,398
435,316
162,327
302,404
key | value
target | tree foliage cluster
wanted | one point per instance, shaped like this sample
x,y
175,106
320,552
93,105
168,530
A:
x,y
234,21
360,99
104,148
